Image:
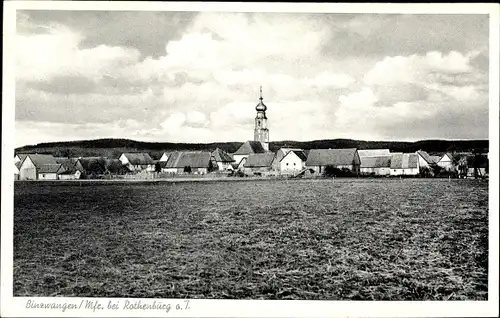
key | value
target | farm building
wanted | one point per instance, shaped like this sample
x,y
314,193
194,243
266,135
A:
x,y
380,165
50,171
70,174
196,162
17,166
425,160
137,161
344,159
164,157
259,164
405,164
31,165
292,163
373,152
20,157
447,162
248,148
223,159
282,152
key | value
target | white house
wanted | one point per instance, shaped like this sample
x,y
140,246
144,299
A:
x,y
31,165
137,161
446,162
405,164
292,163
50,171
424,159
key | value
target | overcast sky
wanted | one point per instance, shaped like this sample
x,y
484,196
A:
x,y
195,77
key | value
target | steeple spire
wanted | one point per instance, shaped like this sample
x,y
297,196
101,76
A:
x,y
261,94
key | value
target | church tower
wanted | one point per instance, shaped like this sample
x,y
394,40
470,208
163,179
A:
x,y
261,133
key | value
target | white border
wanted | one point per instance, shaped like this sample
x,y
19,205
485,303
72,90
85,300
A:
x,y
15,307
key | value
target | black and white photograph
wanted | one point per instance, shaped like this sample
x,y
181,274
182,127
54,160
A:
x,y
168,159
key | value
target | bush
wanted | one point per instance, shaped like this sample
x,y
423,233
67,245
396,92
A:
x,y
331,171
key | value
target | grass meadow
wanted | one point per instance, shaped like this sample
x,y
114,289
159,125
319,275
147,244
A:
x,y
351,239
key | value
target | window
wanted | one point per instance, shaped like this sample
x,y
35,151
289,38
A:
x,y
294,164
287,163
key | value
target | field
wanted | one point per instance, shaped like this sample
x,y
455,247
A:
x,y
348,239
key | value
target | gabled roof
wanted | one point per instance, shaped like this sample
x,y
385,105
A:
x,y
376,162
435,159
425,156
50,168
374,152
334,157
193,159
446,154
22,156
221,156
250,147
299,153
259,160
40,160
404,161
139,158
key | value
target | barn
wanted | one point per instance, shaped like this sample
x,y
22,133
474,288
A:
x,y
138,161
379,165
185,162
344,159
293,162
373,152
31,165
223,159
70,174
405,164
259,164
248,148
50,171
425,160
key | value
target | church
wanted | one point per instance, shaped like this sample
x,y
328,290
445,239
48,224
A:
x,y
260,143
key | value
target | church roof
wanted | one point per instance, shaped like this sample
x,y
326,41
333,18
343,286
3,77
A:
x,y
250,147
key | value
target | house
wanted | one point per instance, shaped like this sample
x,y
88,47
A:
x,y
259,164
164,157
405,164
17,166
31,165
223,159
292,163
50,171
374,152
196,162
344,159
447,162
20,157
248,148
282,152
70,174
425,160
376,165
138,161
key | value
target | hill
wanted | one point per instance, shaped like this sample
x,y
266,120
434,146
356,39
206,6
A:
x,y
112,148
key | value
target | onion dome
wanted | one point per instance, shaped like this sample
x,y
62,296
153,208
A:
x,y
260,106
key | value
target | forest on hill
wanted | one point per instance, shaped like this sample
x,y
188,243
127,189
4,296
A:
x,y
112,148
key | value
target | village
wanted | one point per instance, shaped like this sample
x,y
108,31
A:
x,y
254,159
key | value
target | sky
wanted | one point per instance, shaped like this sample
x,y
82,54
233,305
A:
x,y
195,76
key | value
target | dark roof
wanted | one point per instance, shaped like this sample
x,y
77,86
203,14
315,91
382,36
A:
x,y
376,162
221,156
193,159
259,160
40,160
334,157
250,147
49,168
373,152
426,156
139,158
302,156
404,161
